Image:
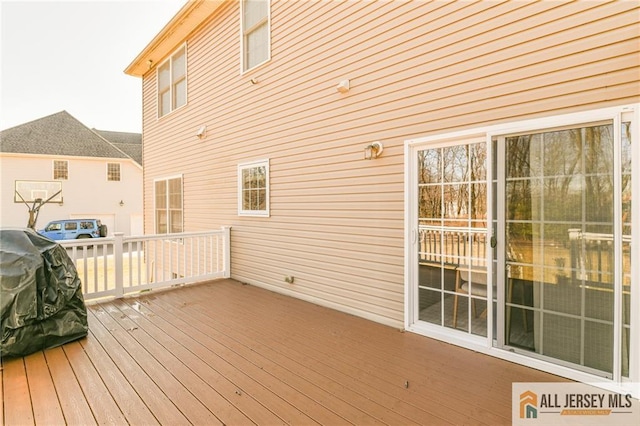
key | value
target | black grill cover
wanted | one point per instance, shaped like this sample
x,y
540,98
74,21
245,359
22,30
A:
x,y
41,304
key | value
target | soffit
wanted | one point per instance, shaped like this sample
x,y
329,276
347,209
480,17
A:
x,y
190,17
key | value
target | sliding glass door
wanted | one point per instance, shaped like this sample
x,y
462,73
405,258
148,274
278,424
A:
x,y
452,234
521,240
566,254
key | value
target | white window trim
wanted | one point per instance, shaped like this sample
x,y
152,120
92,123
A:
x,y
167,179
485,345
186,82
249,165
243,69
119,171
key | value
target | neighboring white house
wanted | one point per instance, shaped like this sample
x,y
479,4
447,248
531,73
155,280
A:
x,y
100,172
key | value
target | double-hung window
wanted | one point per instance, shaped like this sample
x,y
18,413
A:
x,y
172,82
255,33
253,188
60,169
168,208
113,172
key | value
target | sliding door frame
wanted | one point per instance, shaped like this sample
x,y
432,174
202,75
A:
x,y
494,344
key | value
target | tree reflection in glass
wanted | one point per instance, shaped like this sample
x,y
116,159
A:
x,y
559,224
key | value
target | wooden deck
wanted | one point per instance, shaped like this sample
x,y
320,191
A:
x,y
227,353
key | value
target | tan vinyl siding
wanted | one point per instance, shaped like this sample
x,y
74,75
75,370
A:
x,y
416,68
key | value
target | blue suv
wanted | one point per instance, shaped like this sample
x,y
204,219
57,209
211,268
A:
x,y
71,229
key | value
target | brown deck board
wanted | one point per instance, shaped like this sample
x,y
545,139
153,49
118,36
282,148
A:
x,y
251,376
15,393
105,410
346,367
240,376
74,405
124,395
201,379
46,407
386,363
336,385
265,368
192,409
222,352
159,404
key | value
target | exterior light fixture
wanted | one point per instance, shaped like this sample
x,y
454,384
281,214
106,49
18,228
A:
x,y
121,203
373,150
343,86
202,132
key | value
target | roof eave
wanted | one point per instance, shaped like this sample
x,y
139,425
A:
x,y
188,18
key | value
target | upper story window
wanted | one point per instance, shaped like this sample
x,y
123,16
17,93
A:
x,y
60,169
172,82
113,172
253,188
168,208
255,33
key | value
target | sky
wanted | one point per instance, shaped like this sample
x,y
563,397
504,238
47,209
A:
x,y
71,55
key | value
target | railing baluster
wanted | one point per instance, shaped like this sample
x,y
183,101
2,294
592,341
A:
x,y
117,254
138,256
96,282
186,257
185,272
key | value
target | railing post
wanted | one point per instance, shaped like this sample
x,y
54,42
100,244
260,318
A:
x,y
118,248
227,251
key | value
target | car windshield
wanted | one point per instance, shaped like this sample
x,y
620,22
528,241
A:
x,y
53,227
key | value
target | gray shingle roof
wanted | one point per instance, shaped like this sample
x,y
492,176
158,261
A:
x,y
57,134
129,143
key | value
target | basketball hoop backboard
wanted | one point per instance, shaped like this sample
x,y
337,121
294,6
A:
x,y
32,190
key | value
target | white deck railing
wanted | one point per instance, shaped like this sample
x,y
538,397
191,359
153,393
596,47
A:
x,y
450,245
117,266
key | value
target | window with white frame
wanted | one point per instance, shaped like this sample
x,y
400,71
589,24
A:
x,y
60,169
113,172
172,82
255,33
168,205
253,188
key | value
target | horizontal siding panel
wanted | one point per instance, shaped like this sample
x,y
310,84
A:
x,y
509,66
416,68
375,225
314,265
351,29
373,242
333,296
362,70
349,251
316,117
327,229
347,188
457,94
340,205
370,51
254,117
337,217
